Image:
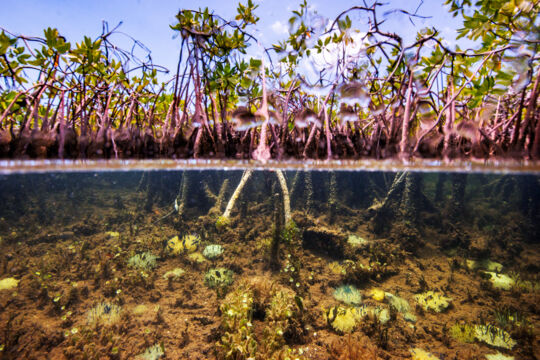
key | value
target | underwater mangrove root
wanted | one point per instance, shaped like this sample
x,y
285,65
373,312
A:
x,y
219,198
286,198
273,260
384,211
180,200
225,219
332,198
399,213
302,191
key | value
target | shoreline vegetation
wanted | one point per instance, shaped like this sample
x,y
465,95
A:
x,y
93,100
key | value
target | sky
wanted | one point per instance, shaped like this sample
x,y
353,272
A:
x,y
148,20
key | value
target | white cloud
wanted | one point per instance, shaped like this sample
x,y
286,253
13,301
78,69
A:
x,y
279,28
350,52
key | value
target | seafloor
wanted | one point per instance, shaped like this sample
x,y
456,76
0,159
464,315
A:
x,y
68,240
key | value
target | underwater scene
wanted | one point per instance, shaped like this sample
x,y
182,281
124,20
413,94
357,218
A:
x,y
269,264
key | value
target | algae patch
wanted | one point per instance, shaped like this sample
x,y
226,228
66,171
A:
x,y
420,354
400,305
494,336
484,264
218,278
433,301
498,356
377,294
174,274
212,252
145,261
196,258
104,314
8,283
356,241
187,244
348,294
463,332
345,318
139,310
152,353
500,281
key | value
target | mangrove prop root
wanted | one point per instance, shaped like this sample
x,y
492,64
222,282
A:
x,y
286,198
224,219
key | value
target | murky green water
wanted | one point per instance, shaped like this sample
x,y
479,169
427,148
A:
x,y
208,260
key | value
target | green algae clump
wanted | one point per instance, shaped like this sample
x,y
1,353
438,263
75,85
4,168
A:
x,y
283,316
187,244
498,356
196,258
238,341
222,222
218,278
8,283
152,353
500,281
433,301
494,336
104,314
174,274
213,251
343,319
145,261
485,264
488,334
400,305
356,241
348,294
283,310
139,310
465,333
420,354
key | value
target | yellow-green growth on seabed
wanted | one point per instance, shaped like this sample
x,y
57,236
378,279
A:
x,y
238,340
357,241
282,314
348,294
104,314
498,356
187,244
152,353
463,332
213,251
218,278
8,283
174,274
488,334
485,264
145,261
500,281
494,336
420,354
345,318
433,301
